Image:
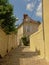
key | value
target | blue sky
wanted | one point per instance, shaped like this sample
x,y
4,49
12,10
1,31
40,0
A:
x,y
31,7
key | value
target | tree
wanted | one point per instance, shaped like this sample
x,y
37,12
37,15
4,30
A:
x,y
7,20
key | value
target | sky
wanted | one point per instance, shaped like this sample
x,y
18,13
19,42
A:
x,y
31,7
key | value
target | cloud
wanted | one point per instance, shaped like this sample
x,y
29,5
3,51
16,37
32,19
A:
x,y
30,6
27,0
39,10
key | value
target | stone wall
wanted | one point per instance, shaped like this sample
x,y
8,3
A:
x,y
7,43
46,26
36,41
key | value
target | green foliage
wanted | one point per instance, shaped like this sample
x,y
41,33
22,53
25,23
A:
x,y
3,2
7,20
25,41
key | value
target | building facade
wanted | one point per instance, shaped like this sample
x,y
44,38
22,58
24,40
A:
x,y
40,40
27,27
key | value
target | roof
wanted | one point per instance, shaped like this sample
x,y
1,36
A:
x,y
31,21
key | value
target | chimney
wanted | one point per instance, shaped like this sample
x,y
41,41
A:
x,y
25,16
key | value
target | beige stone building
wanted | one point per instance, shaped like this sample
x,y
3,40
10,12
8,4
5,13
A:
x,y
27,27
40,39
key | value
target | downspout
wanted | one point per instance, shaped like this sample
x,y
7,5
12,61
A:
x,y
43,28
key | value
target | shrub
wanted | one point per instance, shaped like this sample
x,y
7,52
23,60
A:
x,y
25,41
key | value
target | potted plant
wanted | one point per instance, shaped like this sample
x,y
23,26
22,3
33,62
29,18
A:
x,y
25,41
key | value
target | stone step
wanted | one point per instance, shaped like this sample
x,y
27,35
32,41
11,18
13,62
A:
x,y
23,49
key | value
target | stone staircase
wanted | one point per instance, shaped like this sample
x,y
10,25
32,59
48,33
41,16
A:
x,y
20,56
26,51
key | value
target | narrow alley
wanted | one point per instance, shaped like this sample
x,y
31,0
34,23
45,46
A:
x,y
22,56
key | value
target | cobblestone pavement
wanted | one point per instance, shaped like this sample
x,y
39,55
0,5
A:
x,y
20,57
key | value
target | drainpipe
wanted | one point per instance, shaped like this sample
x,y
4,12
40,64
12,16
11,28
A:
x,y
43,29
